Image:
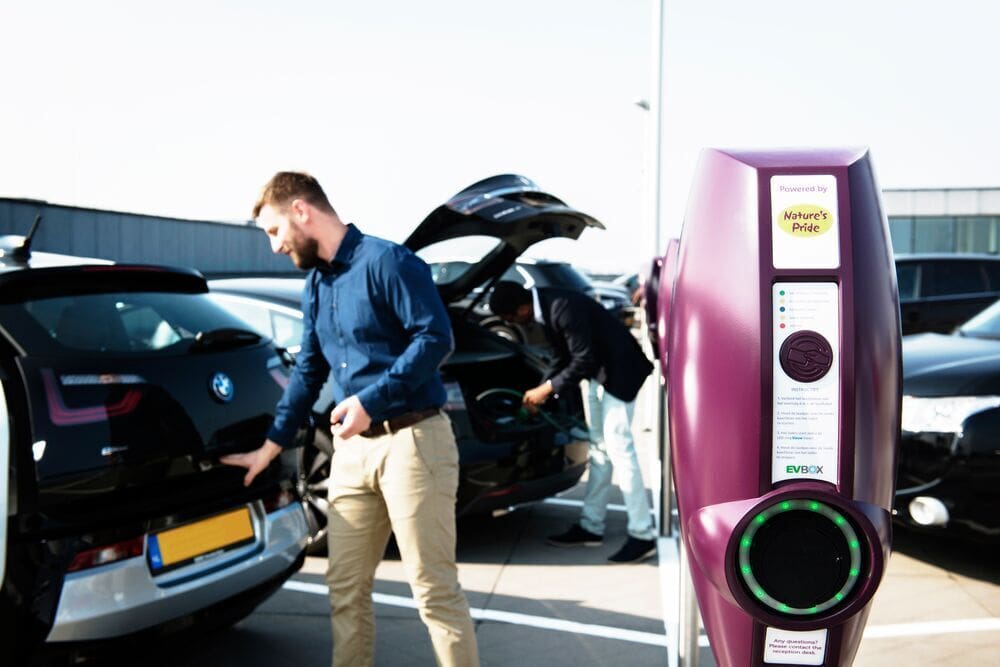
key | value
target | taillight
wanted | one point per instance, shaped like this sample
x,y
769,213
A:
x,y
61,415
110,553
277,501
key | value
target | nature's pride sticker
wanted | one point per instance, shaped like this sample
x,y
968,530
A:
x,y
805,220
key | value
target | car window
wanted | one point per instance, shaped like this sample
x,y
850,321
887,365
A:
x,y
949,278
559,275
126,322
287,329
256,316
451,258
514,275
993,275
146,328
445,272
906,280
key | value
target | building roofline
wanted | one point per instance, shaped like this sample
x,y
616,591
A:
x,y
42,202
961,189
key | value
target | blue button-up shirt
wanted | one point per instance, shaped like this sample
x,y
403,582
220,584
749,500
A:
x,y
373,323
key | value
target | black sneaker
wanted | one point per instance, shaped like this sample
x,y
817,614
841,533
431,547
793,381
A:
x,y
575,537
634,551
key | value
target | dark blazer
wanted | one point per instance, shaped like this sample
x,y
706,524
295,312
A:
x,y
589,342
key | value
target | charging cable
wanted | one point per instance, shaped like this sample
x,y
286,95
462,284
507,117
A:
x,y
509,404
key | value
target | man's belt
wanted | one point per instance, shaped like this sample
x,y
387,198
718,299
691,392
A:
x,y
390,426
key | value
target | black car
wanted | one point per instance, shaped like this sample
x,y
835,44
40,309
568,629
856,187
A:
x,y
121,387
531,273
937,292
949,465
506,456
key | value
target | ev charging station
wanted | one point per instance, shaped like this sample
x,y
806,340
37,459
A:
x,y
779,318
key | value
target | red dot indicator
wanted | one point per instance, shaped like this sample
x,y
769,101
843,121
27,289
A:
x,y
782,325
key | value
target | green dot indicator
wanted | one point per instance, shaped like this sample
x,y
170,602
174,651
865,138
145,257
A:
x,y
745,542
760,518
854,544
782,292
746,569
813,610
760,593
839,596
814,506
855,571
839,520
783,607
785,505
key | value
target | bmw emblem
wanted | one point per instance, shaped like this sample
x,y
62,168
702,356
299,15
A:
x,y
222,387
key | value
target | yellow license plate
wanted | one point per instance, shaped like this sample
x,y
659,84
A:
x,y
184,544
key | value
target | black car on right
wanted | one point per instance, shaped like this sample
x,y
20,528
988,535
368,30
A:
x,y
949,465
939,291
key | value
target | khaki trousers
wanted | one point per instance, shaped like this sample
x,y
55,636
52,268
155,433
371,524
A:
x,y
404,483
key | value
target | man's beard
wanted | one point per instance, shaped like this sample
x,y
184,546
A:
x,y
306,254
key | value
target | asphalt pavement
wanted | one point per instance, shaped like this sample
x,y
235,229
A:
x,y
534,604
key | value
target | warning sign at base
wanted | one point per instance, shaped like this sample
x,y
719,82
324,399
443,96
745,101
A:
x,y
784,647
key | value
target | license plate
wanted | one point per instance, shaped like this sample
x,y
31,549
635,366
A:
x,y
194,541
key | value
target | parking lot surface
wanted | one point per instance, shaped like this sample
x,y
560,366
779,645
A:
x,y
535,604
939,604
539,605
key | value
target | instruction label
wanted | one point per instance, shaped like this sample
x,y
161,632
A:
x,y
784,647
805,233
806,414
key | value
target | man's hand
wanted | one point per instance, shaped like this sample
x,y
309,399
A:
x,y
255,462
349,418
535,397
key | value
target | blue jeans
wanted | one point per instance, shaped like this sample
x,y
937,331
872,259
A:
x,y
611,445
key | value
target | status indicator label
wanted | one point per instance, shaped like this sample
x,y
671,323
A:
x,y
806,381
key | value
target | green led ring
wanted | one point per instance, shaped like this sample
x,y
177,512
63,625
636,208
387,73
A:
x,y
757,591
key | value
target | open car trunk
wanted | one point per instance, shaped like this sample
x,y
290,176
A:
x,y
509,208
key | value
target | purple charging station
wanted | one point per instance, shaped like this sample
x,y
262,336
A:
x,y
783,339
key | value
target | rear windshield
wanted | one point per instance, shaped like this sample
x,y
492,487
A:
x,y
142,323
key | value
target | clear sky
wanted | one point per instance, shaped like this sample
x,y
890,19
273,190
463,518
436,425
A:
x,y
186,108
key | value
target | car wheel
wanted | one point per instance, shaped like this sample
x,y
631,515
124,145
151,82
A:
x,y
314,488
507,331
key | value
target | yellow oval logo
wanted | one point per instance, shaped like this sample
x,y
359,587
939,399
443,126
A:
x,y
805,220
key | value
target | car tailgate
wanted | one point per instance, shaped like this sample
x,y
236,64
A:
x,y
108,423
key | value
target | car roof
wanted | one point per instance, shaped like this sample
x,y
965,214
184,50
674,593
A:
x,y
286,291
29,275
946,256
46,260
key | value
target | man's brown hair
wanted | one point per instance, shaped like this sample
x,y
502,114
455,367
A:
x,y
286,186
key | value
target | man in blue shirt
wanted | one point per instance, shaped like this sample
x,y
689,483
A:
x,y
375,325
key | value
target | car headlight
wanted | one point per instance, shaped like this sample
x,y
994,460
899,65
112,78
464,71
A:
x,y
942,415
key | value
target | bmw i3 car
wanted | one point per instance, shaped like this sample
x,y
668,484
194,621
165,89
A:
x,y
506,456
121,387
